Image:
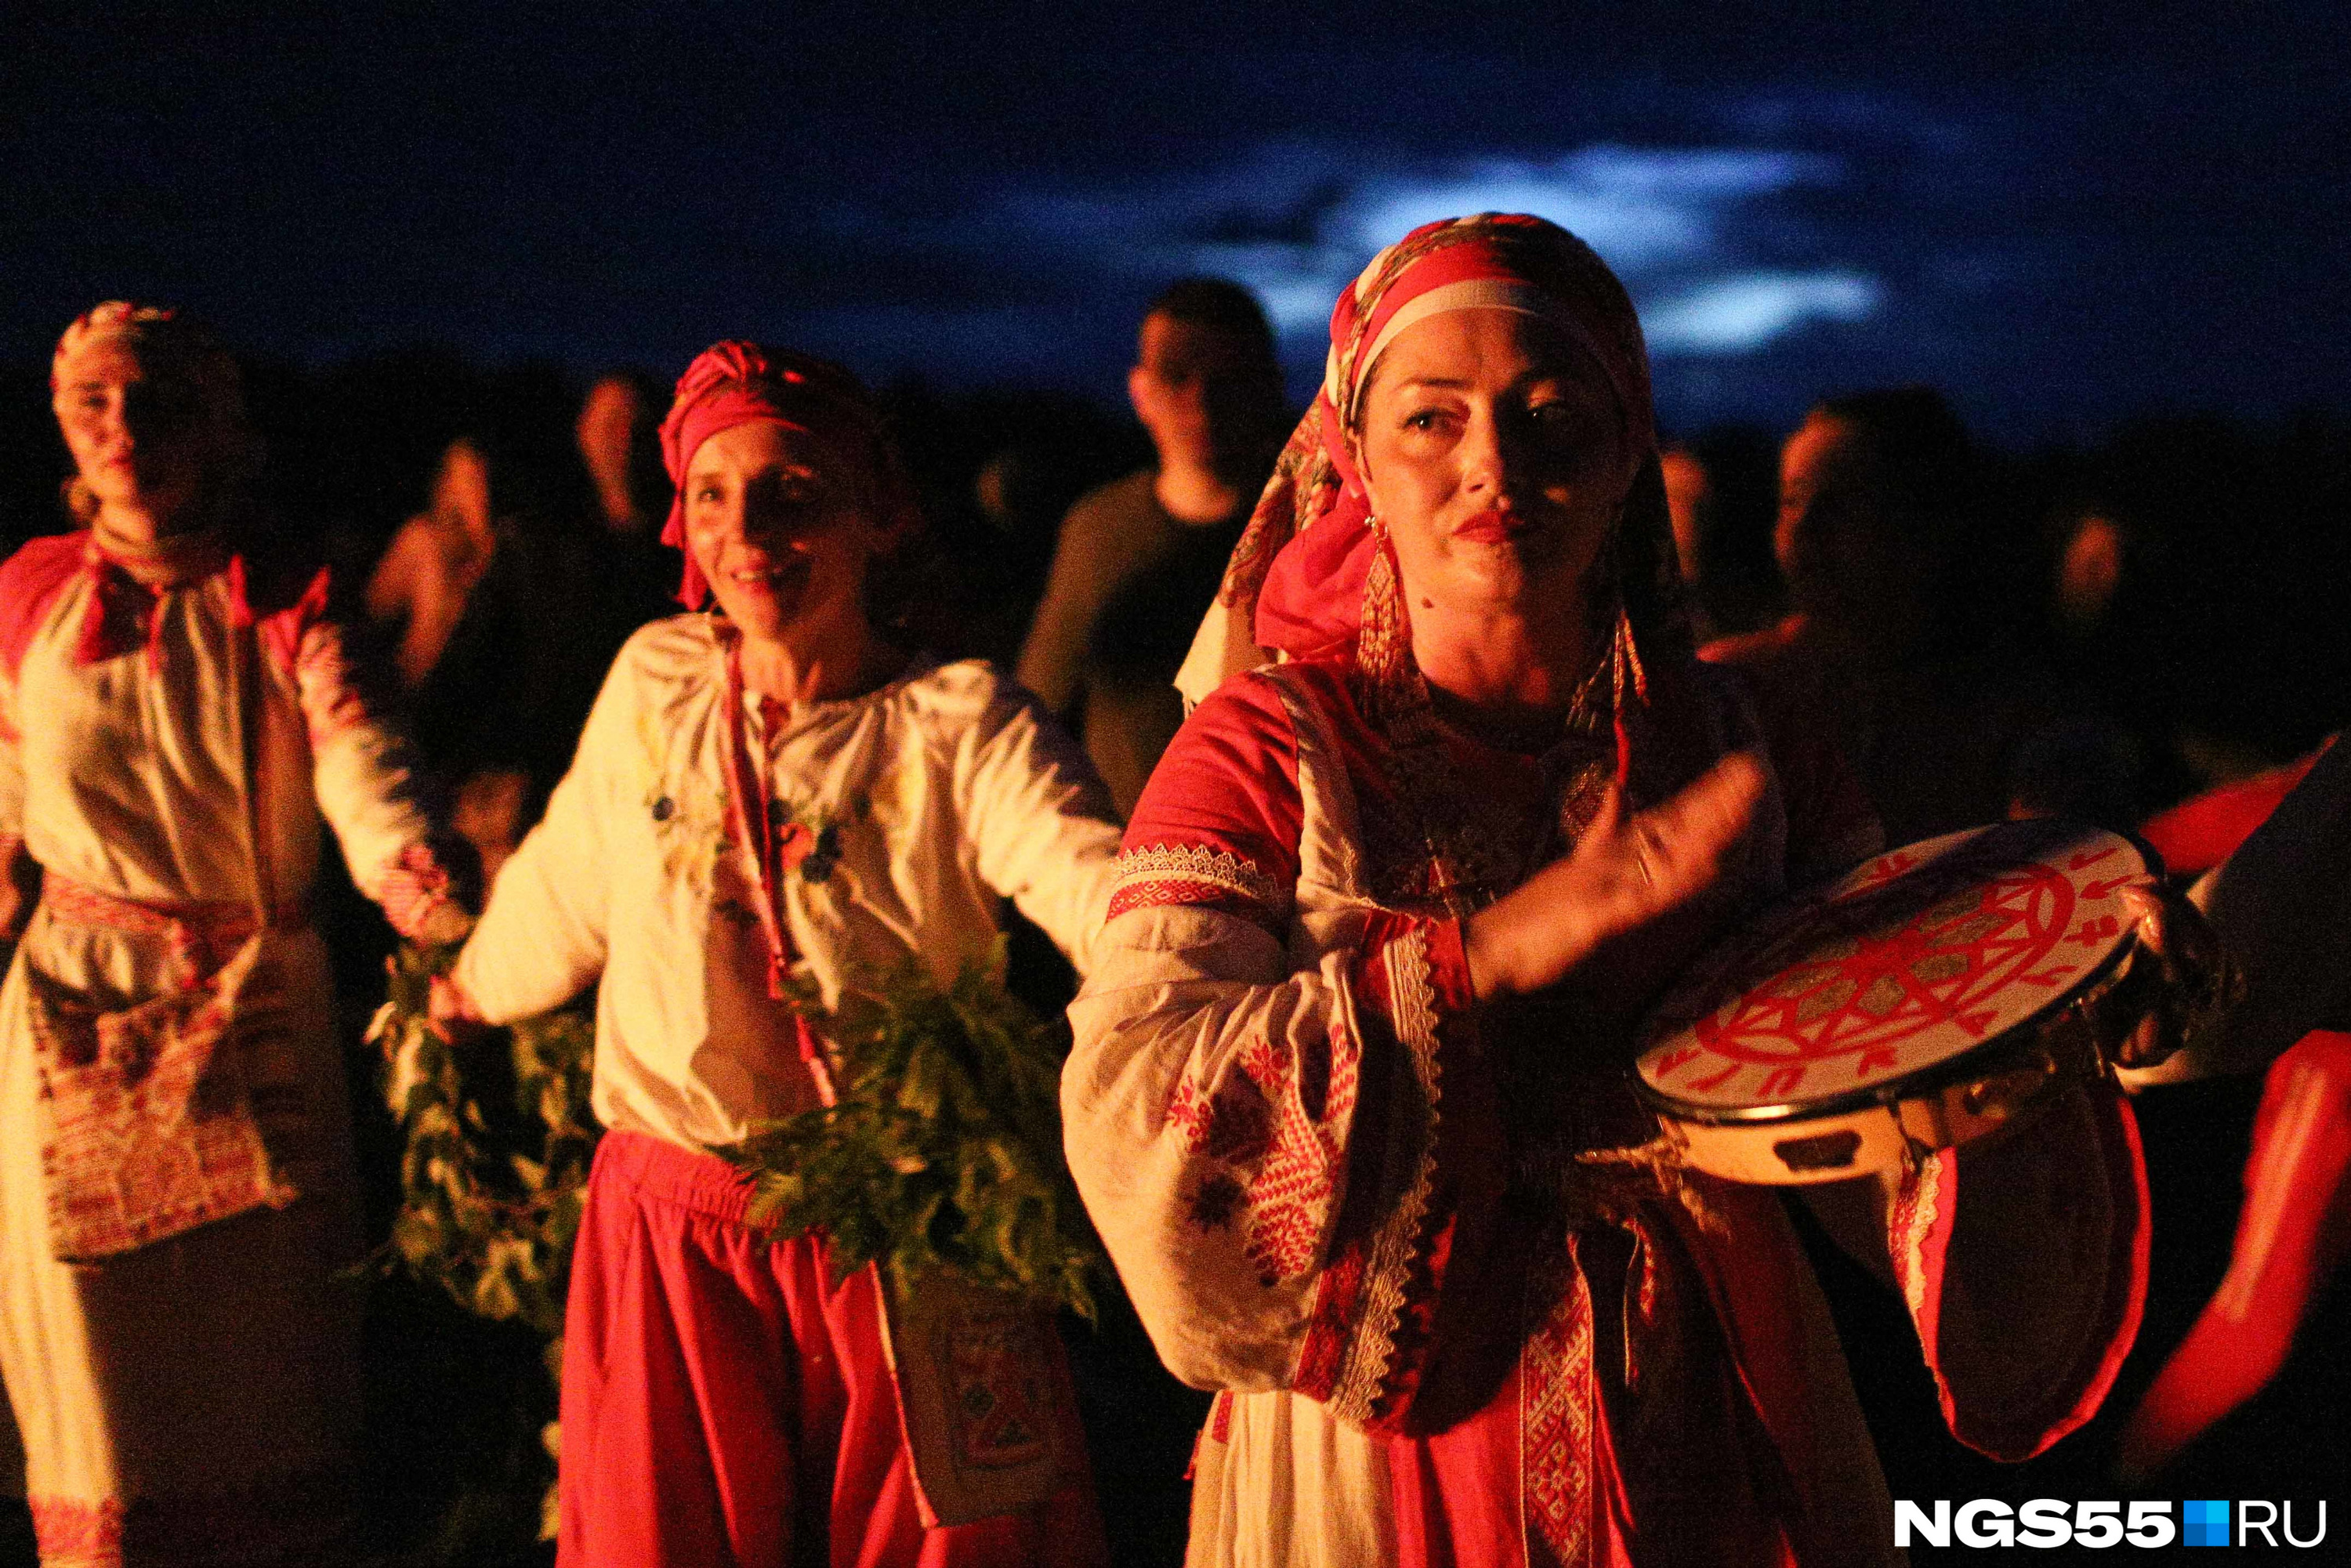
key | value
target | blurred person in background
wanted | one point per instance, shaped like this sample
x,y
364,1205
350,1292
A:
x,y
177,711
618,434
1898,626
451,595
1140,558
1721,487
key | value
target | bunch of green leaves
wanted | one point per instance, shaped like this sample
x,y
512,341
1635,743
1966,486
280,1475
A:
x,y
943,1150
495,1171
499,1138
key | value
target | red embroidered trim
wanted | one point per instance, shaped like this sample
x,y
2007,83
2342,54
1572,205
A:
x,y
1290,1197
1199,863
1416,1329
414,884
1338,1300
1258,1117
1195,895
73,1531
1555,1421
1430,1248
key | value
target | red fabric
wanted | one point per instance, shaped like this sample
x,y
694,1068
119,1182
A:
x,y
1968,1261
733,383
1229,781
725,1403
2201,831
29,584
1313,594
2291,1238
121,615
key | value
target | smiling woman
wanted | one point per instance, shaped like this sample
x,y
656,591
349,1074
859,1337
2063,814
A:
x,y
774,802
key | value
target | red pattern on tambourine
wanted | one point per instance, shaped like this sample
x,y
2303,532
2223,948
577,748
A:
x,y
1914,958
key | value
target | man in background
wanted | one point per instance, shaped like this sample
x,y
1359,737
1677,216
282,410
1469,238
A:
x,y
1139,559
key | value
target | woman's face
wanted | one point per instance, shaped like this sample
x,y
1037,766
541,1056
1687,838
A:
x,y
781,523
137,439
1493,450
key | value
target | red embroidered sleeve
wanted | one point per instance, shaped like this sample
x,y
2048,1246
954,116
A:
x,y
303,639
30,582
1218,823
421,897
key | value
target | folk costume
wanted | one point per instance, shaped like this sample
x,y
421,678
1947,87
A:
x,y
1461,1306
175,716
723,1399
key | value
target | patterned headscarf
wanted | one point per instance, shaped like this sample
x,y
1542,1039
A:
x,y
735,382
167,346
1299,578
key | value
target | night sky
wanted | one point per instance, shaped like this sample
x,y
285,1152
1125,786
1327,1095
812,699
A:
x,y
2066,216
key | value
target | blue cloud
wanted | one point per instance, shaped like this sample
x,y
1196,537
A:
x,y
1741,313
1296,222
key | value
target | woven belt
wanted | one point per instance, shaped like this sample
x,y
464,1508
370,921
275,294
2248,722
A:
x,y
202,934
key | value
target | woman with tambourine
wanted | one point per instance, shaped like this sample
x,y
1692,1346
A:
x,y
1350,1098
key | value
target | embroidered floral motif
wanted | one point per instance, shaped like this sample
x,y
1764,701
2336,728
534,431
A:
x,y
1235,1124
808,841
689,827
1257,1119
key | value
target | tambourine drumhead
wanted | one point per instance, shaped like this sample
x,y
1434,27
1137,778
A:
x,y
1892,982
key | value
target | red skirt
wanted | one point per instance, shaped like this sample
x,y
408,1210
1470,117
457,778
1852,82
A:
x,y
725,1403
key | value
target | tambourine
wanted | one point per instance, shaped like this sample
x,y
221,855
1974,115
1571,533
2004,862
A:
x,y
1933,995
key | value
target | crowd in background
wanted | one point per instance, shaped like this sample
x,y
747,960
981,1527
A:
x,y
2099,630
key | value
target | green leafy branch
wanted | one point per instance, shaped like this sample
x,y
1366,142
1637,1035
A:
x,y
944,1150
498,1145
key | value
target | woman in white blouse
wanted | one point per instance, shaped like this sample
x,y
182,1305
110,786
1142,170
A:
x,y
773,792
176,715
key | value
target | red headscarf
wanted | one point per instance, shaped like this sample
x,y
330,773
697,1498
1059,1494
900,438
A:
x,y
1297,581
735,382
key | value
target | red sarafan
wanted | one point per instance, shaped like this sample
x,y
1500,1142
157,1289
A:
x,y
1349,1097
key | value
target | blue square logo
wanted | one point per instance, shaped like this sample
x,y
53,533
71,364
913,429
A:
x,y
2204,1523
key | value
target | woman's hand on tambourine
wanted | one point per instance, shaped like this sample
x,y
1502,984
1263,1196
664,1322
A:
x,y
2197,985
1663,875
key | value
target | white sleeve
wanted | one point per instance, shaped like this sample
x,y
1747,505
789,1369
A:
x,y
1039,820
542,938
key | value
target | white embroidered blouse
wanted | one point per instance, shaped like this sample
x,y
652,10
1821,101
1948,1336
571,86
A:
x,y
916,808
120,765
